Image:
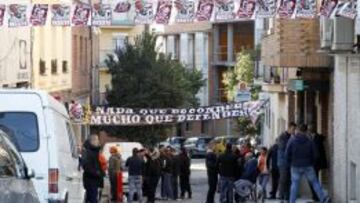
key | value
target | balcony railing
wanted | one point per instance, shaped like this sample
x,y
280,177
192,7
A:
x,y
221,54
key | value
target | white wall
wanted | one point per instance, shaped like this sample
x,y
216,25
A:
x,y
277,112
202,64
346,127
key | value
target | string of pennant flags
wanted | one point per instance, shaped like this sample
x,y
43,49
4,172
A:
x,y
169,11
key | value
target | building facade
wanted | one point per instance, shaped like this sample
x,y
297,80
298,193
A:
x,y
340,38
15,55
112,38
228,40
189,44
52,59
296,80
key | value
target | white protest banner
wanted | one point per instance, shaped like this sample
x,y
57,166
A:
x,y
128,116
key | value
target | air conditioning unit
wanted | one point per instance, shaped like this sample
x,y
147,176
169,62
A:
x,y
326,32
343,39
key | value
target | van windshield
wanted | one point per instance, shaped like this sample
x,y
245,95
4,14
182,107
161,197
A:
x,y
22,128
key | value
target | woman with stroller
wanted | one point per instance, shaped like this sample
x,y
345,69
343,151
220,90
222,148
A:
x,y
245,185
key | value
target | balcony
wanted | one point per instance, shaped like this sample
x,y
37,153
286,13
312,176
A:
x,y
122,21
273,88
294,43
275,80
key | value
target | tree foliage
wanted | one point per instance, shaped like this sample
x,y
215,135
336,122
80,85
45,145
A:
x,y
242,72
143,78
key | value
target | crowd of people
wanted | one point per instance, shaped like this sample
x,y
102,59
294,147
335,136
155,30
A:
x,y
297,152
235,174
147,168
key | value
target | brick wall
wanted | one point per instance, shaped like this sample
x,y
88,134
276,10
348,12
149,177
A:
x,y
81,57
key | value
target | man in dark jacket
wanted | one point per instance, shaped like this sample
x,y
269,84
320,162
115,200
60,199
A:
x,y
93,173
274,170
250,172
135,165
152,173
184,161
284,170
301,156
321,161
227,166
212,173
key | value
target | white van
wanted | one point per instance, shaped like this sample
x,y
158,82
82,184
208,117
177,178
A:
x,y
40,128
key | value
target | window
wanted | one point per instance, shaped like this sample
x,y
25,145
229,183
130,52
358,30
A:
x,y
177,47
65,67
54,66
72,140
7,164
22,54
42,67
119,42
22,127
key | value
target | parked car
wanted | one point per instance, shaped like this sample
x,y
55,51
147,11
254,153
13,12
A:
x,y
15,177
197,146
174,142
40,127
220,143
125,149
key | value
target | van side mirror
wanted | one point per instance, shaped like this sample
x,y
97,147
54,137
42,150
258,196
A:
x,y
30,173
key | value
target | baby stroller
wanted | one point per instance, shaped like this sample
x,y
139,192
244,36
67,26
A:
x,y
246,187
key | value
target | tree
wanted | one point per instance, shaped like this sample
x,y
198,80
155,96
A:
x,y
242,72
143,78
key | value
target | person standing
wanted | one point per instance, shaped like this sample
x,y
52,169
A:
x,y
175,173
274,170
301,156
264,172
93,174
227,167
284,170
167,190
152,173
321,160
185,162
240,161
114,171
212,173
135,166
